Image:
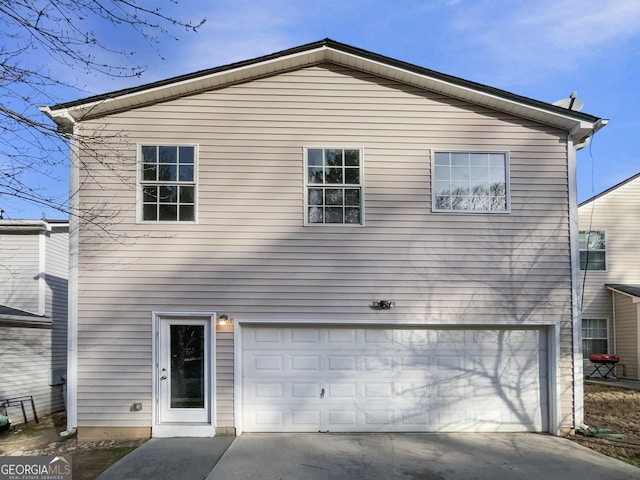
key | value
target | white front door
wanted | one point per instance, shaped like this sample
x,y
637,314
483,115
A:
x,y
183,370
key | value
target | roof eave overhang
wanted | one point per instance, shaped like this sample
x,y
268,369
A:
x,y
24,321
634,298
579,125
24,226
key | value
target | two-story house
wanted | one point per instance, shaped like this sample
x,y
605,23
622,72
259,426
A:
x,y
610,275
323,239
33,315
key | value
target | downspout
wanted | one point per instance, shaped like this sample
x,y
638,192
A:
x,y
42,269
72,318
576,306
576,302
67,125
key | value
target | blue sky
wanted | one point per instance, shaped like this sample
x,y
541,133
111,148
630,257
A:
x,y
543,50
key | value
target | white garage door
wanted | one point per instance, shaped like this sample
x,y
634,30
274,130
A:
x,y
383,380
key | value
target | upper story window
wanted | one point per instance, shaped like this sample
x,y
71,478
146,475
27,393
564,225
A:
x,y
592,250
470,182
168,183
333,186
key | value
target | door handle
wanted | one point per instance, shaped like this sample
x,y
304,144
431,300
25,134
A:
x,y
163,377
322,393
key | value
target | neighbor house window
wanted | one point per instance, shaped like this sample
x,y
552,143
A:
x,y
594,336
167,183
470,182
333,186
592,250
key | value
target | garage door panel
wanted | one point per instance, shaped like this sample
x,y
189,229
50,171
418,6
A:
x,y
303,418
267,363
342,363
304,337
357,379
377,364
269,390
341,391
263,337
304,363
341,336
305,391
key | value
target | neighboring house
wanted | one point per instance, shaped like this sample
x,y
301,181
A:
x,y
324,239
33,314
610,264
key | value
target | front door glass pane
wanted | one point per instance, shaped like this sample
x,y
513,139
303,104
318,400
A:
x,y
187,366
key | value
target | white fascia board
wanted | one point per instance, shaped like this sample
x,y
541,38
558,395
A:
x,y
34,226
555,119
189,86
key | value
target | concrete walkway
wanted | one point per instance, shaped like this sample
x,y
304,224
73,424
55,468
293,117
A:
x,y
170,459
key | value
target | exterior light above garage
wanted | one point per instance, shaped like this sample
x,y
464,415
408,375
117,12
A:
x,y
383,305
225,320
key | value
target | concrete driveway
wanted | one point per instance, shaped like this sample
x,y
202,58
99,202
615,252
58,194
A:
x,y
414,457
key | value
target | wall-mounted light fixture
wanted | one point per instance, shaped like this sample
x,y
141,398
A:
x,y
225,320
383,305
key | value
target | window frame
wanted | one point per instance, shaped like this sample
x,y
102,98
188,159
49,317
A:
x,y
307,186
587,338
141,183
507,175
587,250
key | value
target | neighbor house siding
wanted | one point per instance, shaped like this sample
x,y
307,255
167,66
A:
x,y
19,270
250,255
626,334
615,212
33,277
56,278
26,370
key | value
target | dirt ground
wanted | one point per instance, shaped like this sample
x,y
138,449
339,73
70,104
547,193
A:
x,y
89,459
611,410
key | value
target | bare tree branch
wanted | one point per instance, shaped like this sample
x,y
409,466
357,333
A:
x,y
70,33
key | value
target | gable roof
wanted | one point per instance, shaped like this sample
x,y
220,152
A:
x,y
580,125
609,190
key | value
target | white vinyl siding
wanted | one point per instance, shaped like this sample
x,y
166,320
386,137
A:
x,y
56,277
19,271
33,278
251,255
26,370
627,315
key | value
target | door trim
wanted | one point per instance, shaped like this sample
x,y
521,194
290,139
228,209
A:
x,y
165,430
